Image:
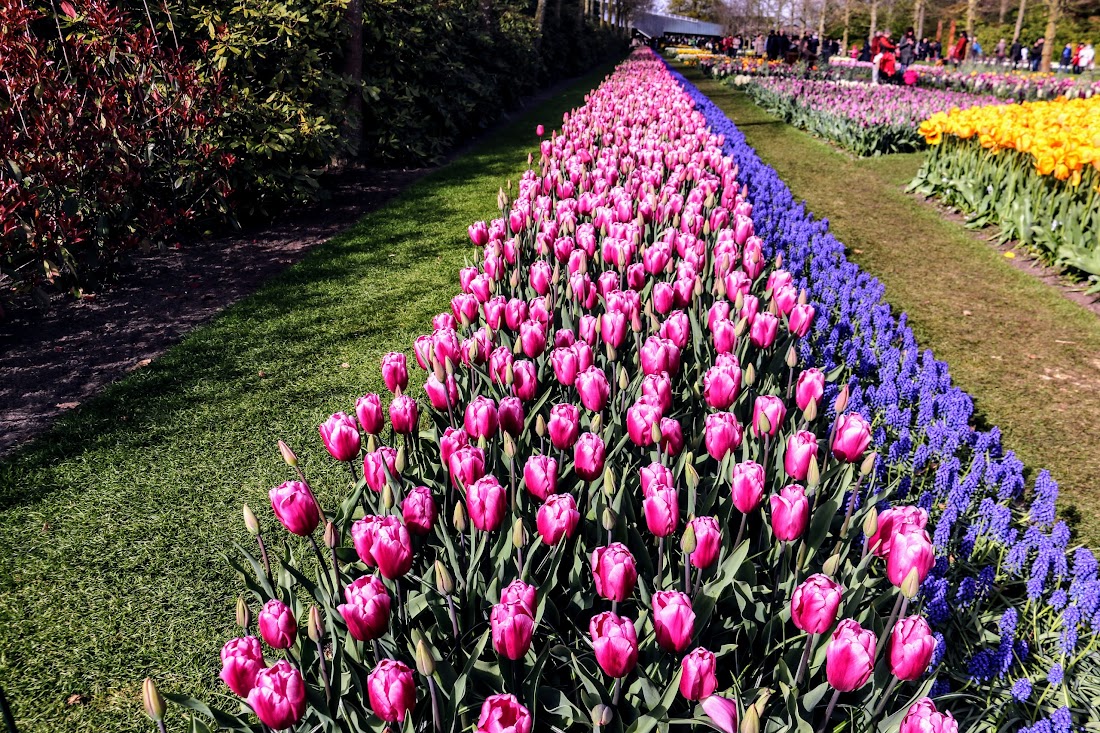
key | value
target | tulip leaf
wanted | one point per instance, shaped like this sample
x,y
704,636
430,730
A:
x,y
221,717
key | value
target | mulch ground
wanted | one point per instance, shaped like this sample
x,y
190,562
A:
x,y
52,360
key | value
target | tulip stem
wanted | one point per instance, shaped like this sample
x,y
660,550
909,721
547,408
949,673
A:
x,y
829,710
687,572
698,582
263,555
660,561
454,616
354,476
802,665
435,703
885,696
741,531
323,574
618,691
899,608
324,672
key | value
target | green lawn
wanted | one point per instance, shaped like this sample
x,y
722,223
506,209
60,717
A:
x,y
114,525
1029,357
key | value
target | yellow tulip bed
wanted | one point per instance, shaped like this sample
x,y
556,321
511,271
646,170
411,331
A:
x,y
1032,169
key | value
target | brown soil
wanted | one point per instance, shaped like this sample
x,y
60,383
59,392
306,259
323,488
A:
x,y
51,360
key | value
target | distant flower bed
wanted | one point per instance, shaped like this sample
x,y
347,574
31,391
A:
x,y
863,118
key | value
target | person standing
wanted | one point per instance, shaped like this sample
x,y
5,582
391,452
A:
x,y
958,54
999,52
1067,57
1036,54
907,48
1088,53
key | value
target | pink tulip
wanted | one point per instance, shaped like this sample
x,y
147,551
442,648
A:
x,y
773,409
532,338
814,604
614,572
851,436
892,522
655,476
395,371
392,548
725,335
810,388
277,624
510,415
487,503
588,457
923,717
593,388
557,518
659,355
424,351
662,511
340,436
613,329
451,440
368,409
911,647
418,510
242,660
750,307
500,364
379,466
785,297
362,535
479,233
790,513
404,415
800,320
564,425
367,611
721,386
279,697
467,465
722,711
295,507
540,274
673,620
481,418
748,486
762,332
672,437
911,550
664,297
525,381
392,690
850,656
658,388
722,434
698,679
503,714
564,361
615,643
540,476
801,449
518,591
441,394
708,541
640,419
512,628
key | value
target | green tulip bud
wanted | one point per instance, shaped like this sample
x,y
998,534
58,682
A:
x,y
596,424
831,565
612,355
459,518
250,522
688,542
720,286
509,375
810,413
152,700
502,199
288,455
802,298
244,614
387,497
870,523
750,375
609,486
751,721
438,370
425,660
739,301
332,536
372,445
449,366
602,715
779,260
868,464
792,358
443,581
609,518
691,476
841,402
740,327
624,378
911,585
655,432
399,461
813,474
316,628
540,426
519,534
763,424
509,446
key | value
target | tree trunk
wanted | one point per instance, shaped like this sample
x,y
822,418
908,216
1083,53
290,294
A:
x,y
821,26
1054,11
971,11
847,22
1019,21
918,19
874,19
1002,12
582,13
779,15
353,71
540,16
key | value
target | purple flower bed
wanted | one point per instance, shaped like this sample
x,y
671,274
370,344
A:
x,y
1020,606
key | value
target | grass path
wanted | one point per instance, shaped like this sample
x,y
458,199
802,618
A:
x,y
113,526
1028,355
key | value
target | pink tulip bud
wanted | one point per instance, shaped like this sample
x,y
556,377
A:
x,y
242,660
814,604
277,624
773,409
377,465
593,389
672,437
911,550
367,611
564,425
810,388
722,434
519,592
503,714
340,436
512,628
481,418
892,522
510,414
923,717
673,620
698,679
800,320
539,130
614,572
500,364
418,510
790,513
615,643
748,486
850,656
762,332
708,541
851,436
662,511
467,465
392,690
395,371
524,380
911,647
487,503
404,415
801,449
588,457
279,696
557,518
295,507
368,409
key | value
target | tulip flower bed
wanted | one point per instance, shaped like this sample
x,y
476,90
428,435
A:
x,y
865,119
1033,170
636,503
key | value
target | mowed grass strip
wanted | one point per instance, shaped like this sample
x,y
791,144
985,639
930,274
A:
x,y
1028,356
113,527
